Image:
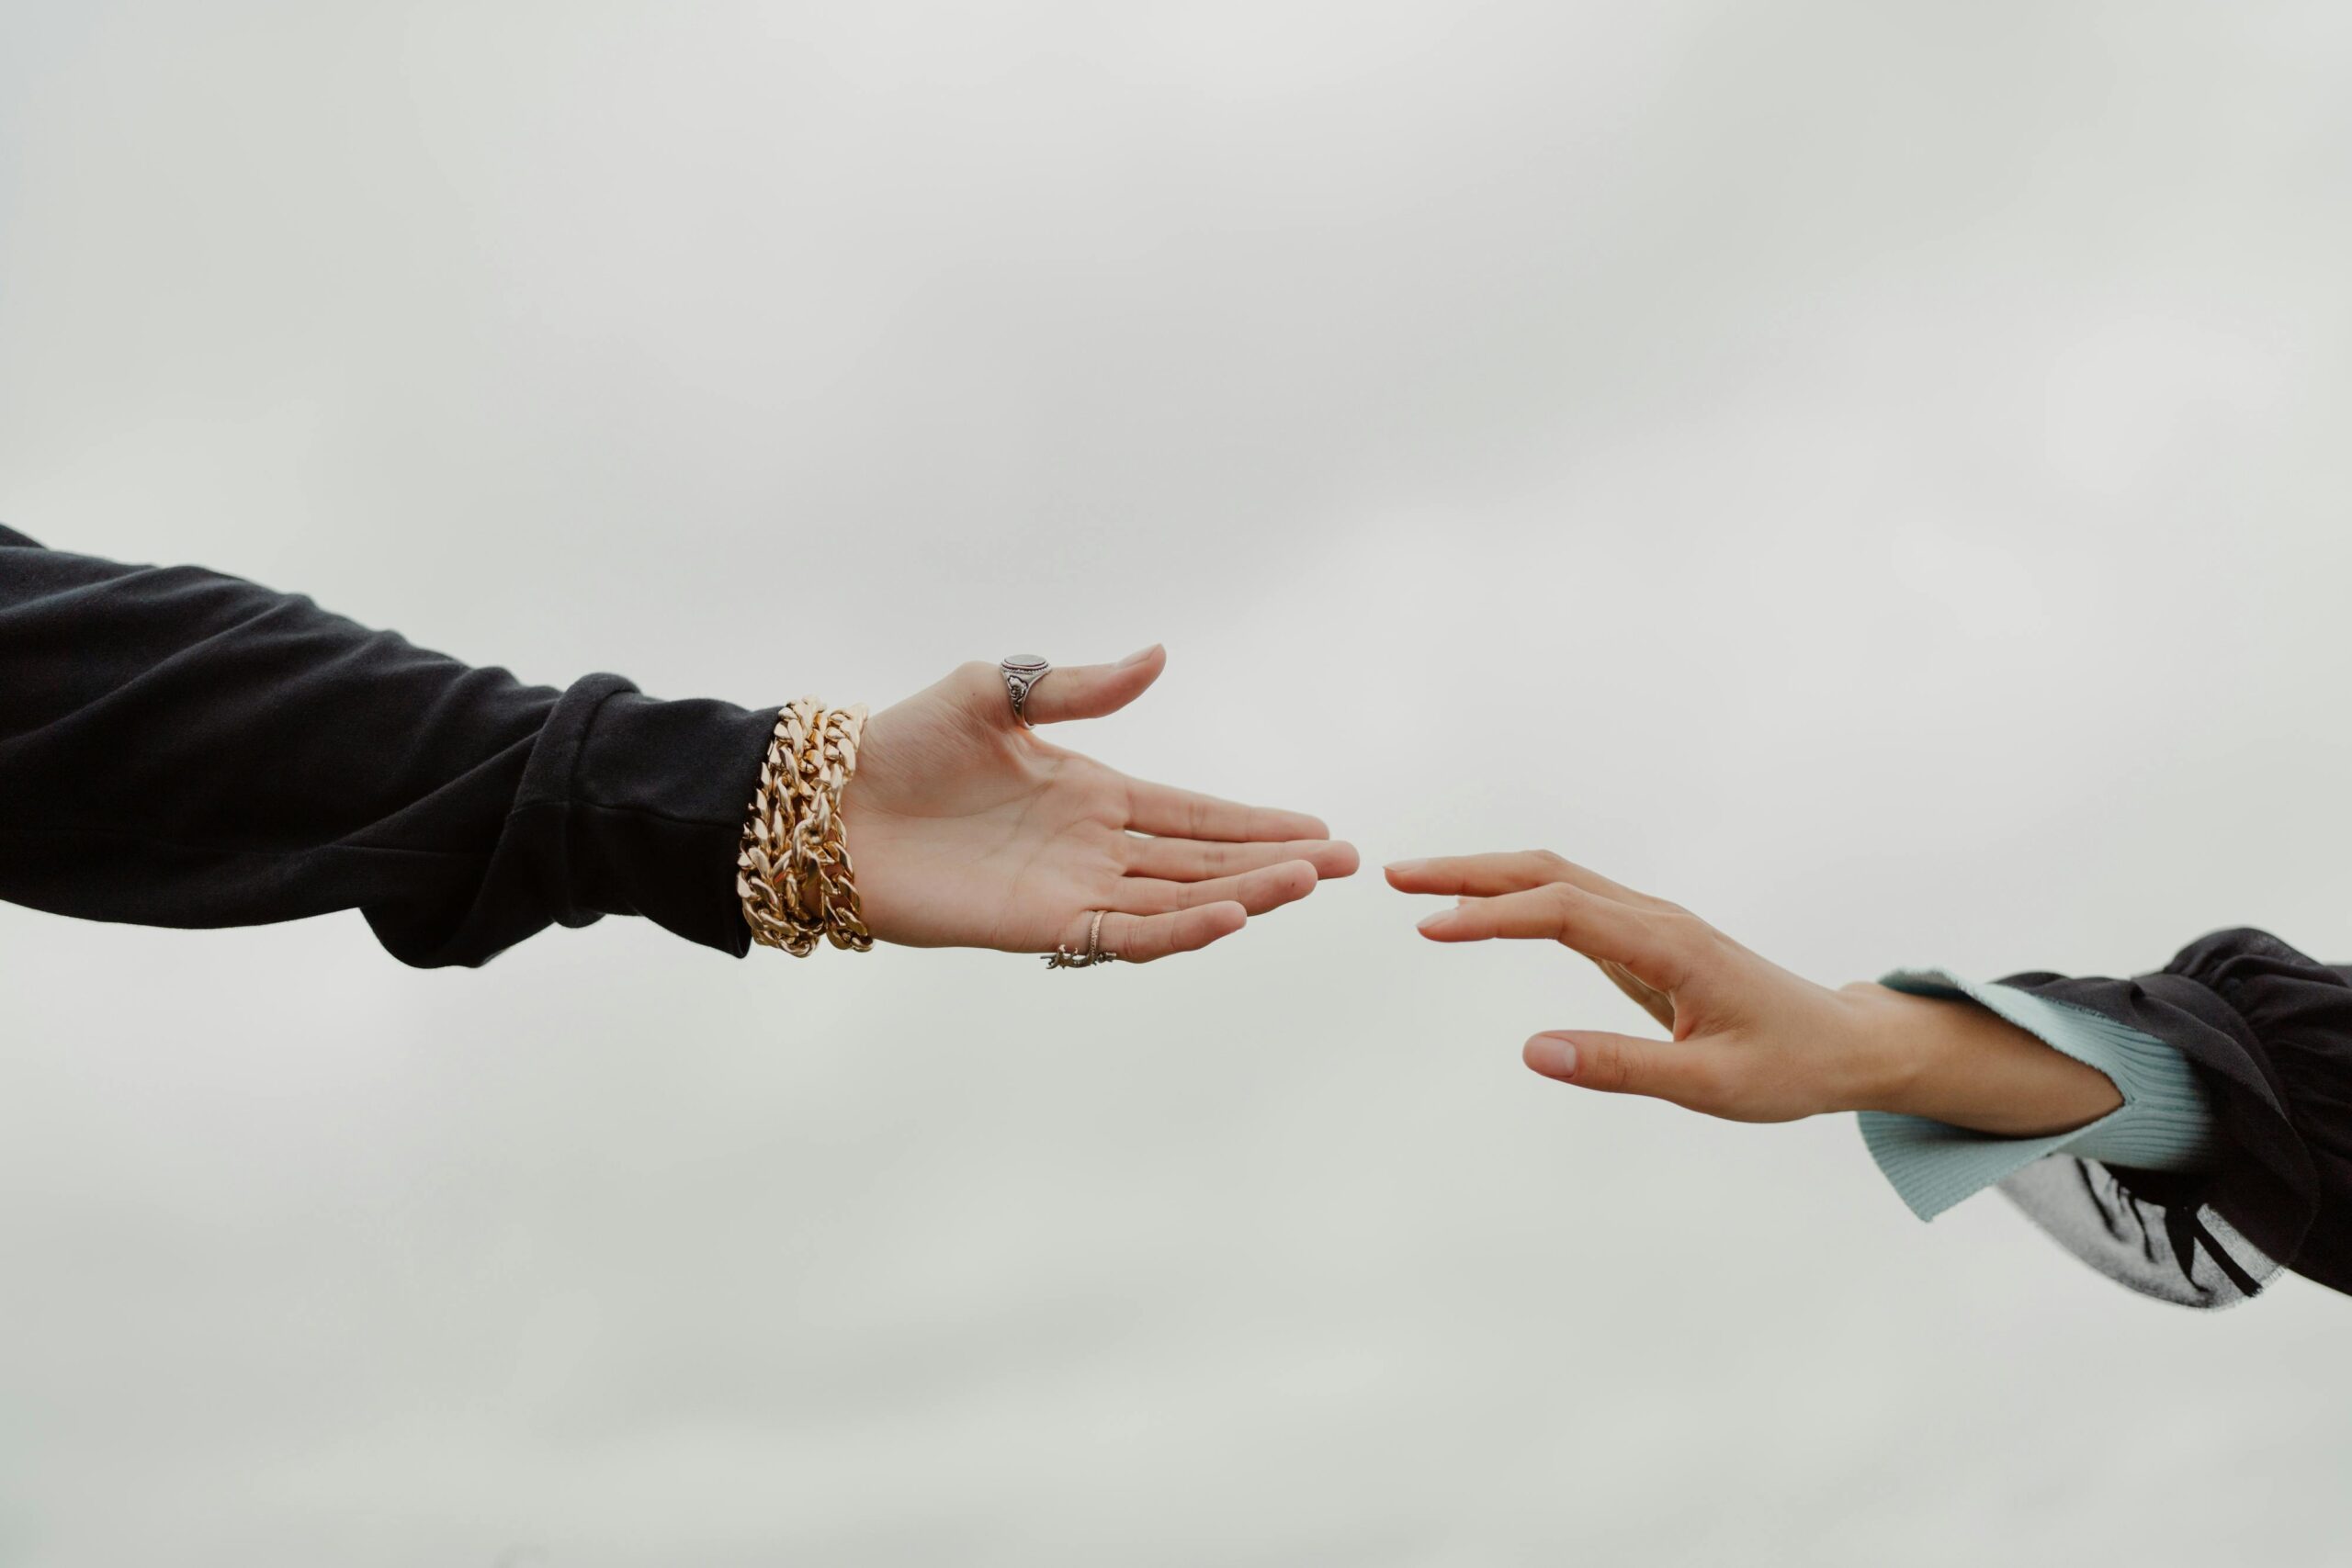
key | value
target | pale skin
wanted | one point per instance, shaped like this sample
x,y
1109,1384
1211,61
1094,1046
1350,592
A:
x,y
1747,1040
966,830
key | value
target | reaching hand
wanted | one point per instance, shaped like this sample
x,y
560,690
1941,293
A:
x,y
967,830
1751,1041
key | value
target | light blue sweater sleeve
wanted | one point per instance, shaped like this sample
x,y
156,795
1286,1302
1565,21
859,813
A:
x,y
2165,1121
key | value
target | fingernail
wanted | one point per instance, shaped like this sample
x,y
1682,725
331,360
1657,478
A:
x,y
1138,656
1406,867
1550,1055
1438,921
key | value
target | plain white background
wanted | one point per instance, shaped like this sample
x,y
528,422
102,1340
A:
x,y
1873,473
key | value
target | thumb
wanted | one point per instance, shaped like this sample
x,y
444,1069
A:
x,y
1090,691
1676,1070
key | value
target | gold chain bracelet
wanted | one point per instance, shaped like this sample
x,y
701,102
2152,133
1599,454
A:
x,y
793,873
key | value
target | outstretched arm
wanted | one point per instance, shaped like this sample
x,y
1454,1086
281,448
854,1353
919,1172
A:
x,y
2186,1131
182,748
1751,1042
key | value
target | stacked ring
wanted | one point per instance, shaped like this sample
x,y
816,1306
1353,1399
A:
x,y
1063,958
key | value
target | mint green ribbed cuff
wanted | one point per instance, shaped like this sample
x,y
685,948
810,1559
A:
x,y
2165,1121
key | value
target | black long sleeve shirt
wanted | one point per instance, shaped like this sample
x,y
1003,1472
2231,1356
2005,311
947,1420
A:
x,y
178,748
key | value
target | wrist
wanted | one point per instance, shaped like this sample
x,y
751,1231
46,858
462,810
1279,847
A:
x,y
1955,1061
1895,1045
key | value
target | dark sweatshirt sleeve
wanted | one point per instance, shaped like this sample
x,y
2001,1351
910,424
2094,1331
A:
x,y
178,748
2269,1031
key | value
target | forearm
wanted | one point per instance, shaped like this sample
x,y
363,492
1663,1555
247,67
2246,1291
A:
x,y
181,748
1954,1061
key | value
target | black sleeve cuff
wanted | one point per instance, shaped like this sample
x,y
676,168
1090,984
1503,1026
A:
x,y
658,792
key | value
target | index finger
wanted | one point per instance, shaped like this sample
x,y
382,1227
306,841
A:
x,y
1644,940
1488,876
1168,812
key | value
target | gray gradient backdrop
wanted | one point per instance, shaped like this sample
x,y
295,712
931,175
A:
x,y
1873,473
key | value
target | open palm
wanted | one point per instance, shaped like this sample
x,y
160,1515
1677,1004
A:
x,y
967,830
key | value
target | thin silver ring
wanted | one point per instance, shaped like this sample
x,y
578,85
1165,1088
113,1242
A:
x,y
1021,672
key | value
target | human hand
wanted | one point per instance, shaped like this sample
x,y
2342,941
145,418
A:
x,y
966,830
1750,1041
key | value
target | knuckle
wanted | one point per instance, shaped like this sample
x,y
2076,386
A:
x,y
1601,1064
1138,943
1560,905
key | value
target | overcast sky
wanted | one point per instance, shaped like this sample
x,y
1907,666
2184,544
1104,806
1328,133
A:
x,y
1875,474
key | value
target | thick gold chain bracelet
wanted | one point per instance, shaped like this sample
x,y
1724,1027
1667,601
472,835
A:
x,y
793,873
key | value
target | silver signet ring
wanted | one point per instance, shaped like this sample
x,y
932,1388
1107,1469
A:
x,y
1022,672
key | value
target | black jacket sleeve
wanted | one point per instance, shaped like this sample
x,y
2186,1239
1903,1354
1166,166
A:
x,y
178,748
2270,1032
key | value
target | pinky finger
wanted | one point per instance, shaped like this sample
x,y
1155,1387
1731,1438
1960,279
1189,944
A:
x,y
1139,939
